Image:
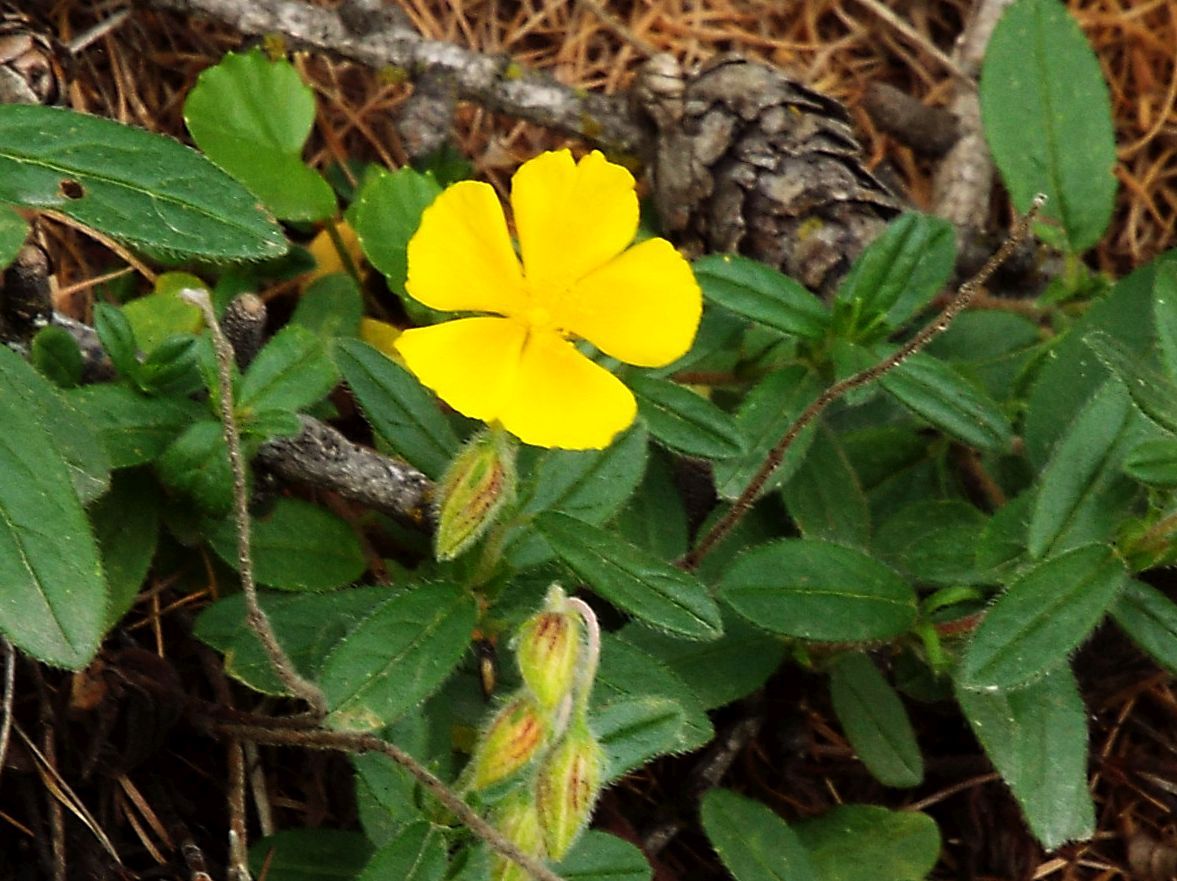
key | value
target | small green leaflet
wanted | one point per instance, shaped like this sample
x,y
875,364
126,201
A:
x,y
875,721
753,842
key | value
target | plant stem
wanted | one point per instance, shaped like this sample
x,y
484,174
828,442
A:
x,y
255,616
929,332
362,743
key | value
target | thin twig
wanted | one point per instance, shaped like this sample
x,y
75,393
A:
x,y
9,692
363,743
255,616
929,332
238,853
915,37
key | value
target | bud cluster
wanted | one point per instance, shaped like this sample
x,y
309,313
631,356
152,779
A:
x,y
543,727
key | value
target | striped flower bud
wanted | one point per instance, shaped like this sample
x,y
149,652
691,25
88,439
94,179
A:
x,y
516,817
567,786
547,648
473,491
513,739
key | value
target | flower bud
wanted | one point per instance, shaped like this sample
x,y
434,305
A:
x,y
567,786
516,817
513,739
474,489
547,648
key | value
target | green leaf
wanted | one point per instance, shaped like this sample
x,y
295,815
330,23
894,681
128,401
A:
x,y
197,464
296,546
590,485
870,843
172,368
655,517
252,115
819,591
397,656
290,373
763,418
898,273
387,213
599,856
126,526
310,855
416,854
627,673
1069,484
1153,392
134,429
719,671
14,229
1072,374
1036,738
73,437
55,353
1041,618
1001,546
308,625
330,307
1153,462
934,391
1150,620
399,408
762,295
632,731
993,347
824,496
139,187
118,338
53,598
386,798
753,842
875,722
1048,119
1164,309
633,579
685,420
163,314
932,541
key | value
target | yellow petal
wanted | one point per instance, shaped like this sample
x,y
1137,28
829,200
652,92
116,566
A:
x,y
471,363
460,258
326,255
642,307
570,217
562,399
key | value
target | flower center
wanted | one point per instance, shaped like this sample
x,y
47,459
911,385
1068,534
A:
x,y
538,317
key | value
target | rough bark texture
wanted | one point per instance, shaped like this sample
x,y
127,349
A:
x,y
748,160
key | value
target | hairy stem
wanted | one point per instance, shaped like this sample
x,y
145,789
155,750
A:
x,y
255,616
929,332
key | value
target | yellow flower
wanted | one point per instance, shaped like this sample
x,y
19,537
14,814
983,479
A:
x,y
575,277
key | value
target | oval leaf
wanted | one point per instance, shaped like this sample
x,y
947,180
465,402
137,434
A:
x,y
870,843
139,187
297,546
397,656
399,408
1041,618
416,854
634,580
387,213
761,294
820,591
1036,738
875,722
933,390
1150,620
252,116
900,271
1048,118
602,857
753,842
1068,481
290,373
685,420
53,597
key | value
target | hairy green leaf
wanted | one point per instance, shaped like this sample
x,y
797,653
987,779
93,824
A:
x,y
875,722
1150,620
761,294
818,590
139,187
753,842
1048,119
685,420
870,843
